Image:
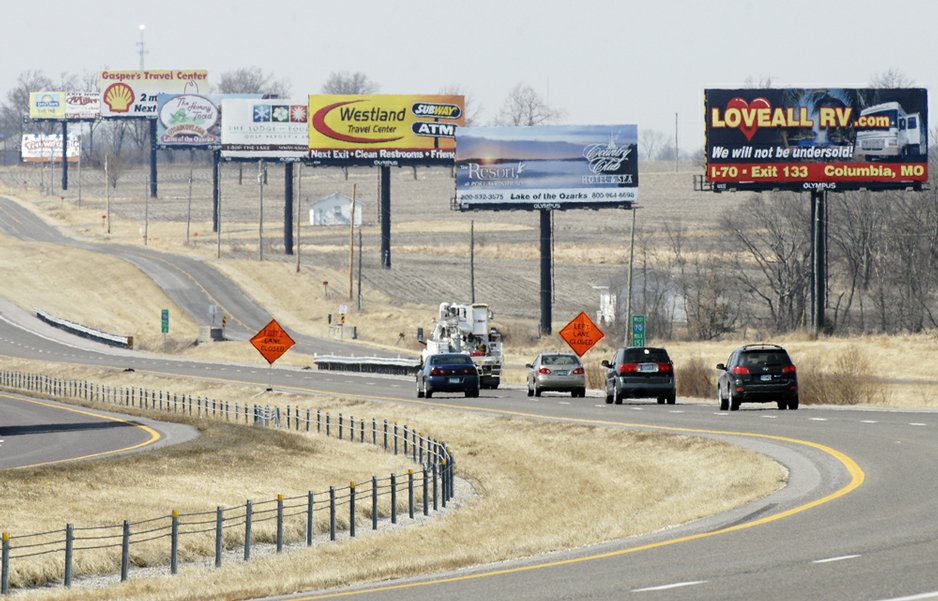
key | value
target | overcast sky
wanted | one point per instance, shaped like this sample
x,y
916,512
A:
x,y
598,61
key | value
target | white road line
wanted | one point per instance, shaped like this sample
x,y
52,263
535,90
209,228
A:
x,y
917,424
563,402
668,586
770,416
919,597
869,421
833,559
675,411
637,408
720,413
818,419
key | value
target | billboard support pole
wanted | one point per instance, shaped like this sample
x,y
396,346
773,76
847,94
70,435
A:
x,y
385,216
64,155
288,208
216,188
819,202
628,299
152,157
545,273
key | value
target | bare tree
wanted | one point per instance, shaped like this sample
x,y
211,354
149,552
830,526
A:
x,y
524,106
252,80
473,108
891,78
649,143
758,82
343,82
16,107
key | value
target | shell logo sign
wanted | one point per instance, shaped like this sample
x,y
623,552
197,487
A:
x,y
119,97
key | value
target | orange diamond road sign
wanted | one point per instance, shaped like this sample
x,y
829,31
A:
x,y
581,334
272,341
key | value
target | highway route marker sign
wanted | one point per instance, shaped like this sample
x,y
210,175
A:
x,y
272,341
581,334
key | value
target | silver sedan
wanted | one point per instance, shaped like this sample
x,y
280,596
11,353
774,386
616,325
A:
x,y
561,372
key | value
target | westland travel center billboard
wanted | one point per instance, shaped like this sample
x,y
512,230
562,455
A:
x,y
383,129
547,167
822,138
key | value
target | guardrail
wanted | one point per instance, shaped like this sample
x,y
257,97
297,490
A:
x,y
381,365
164,537
85,331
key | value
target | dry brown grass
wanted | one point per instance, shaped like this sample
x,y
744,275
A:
x,y
538,487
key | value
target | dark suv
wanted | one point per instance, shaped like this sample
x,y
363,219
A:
x,y
640,372
758,373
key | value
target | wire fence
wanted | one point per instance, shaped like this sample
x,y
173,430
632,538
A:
x,y
165,540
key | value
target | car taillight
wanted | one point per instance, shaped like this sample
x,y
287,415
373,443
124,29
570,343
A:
x,y
578,371
626,368
788,369
469,371
544,371
667,367
739,370
436,371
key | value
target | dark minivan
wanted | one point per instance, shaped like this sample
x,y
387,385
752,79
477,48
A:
x,y
758,373
640,372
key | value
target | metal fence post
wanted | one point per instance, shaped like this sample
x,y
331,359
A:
x,y
351,509
385,435
405,439
5,565
393,498
395,439
219,517
69,539
125,551
410,493
426,507
413,444
328,424
248,515
420,437
280,516
374,432
436,505
341,423
443,480
174,545
331,513
288,418
374,503
309,519
361,428
318,421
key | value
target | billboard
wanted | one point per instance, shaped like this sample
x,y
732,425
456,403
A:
x,y
37,148
135,93
82,105
547,167
384,129
816,138
274,129
191,120
47,105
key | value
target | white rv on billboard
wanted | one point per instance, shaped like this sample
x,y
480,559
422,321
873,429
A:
x,y
892,132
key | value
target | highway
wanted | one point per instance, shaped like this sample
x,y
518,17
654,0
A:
x,y
858,520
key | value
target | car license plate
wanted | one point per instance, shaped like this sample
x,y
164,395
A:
x,y
647,367
562,372
455,380
767,378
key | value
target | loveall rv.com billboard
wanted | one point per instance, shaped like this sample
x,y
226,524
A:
x,y
546,167
828,138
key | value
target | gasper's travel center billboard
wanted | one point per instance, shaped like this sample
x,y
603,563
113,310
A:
x,y
821,138
383,129
135,94
547,167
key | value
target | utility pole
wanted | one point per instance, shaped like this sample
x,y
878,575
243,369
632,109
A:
x,y
141,47
351,244
628,300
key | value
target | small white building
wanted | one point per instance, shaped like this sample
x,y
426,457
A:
x,y
335,209
607,305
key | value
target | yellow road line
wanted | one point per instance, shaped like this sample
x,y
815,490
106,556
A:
x,y
857,477
154,435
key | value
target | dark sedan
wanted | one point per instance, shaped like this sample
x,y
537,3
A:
x,y
448,372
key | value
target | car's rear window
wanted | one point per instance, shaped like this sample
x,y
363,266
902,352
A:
x,y
638,355
770,357
450,360
559,360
